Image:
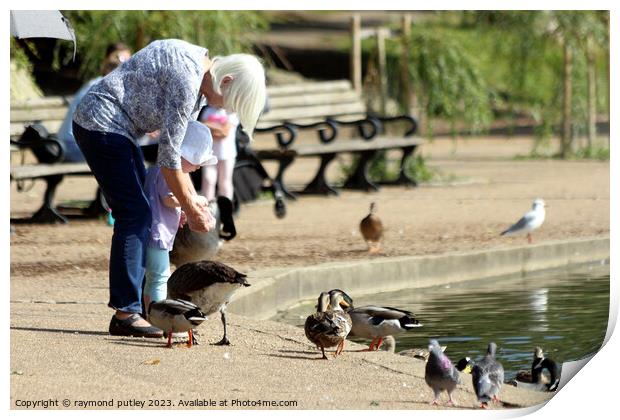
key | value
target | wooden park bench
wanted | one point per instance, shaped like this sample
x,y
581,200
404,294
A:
x,y
50,112
327,107
53,174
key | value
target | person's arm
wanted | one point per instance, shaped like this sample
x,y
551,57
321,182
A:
x,y
171,201
218,131
180,100
194,206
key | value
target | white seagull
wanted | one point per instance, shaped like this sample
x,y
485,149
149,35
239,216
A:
x,y
531,221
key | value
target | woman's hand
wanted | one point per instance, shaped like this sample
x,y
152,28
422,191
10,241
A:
x,y
183,219
200,219
196,207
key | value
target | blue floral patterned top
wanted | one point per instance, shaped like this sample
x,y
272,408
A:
x,y
157,89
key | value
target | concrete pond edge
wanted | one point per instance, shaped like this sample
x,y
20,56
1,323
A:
x,y
277,289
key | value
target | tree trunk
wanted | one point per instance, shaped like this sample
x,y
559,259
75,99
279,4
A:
x,y
404,62
381,35
566,139
356,53
608,86
591,69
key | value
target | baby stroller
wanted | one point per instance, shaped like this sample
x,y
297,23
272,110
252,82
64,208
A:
x,y
250,177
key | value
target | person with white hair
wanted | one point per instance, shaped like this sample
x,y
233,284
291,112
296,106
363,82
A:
x,y
162,87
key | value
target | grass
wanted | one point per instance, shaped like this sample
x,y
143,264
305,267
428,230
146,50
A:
x,y
584,153
383,169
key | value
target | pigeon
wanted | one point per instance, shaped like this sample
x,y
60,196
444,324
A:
x,y
440,374
175,315
531,221
487,377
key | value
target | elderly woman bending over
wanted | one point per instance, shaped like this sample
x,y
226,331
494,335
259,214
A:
x,y
162,87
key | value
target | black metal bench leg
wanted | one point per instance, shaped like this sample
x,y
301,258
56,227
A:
x,y
319,184
284,163
359,179
98,206
48,213
403,178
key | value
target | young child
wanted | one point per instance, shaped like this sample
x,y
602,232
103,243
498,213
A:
x,y
196,151
223,128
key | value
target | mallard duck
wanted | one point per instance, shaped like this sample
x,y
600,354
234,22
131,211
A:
x,y
376,322
330,325
191,246
531,221
208,284
535,374
539,364
465,365
440,374
372,229
488,377
175,315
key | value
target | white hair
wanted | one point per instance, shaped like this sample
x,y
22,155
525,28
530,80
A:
x,y
246,93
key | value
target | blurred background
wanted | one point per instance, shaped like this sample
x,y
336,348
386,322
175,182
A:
x,y
544,73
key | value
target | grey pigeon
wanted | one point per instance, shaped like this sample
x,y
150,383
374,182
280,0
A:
x,y
440,374
487,377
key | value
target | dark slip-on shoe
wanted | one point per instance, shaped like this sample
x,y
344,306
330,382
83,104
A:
x,y
126,328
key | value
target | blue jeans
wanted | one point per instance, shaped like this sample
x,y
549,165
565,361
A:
x,y
157,273
118,166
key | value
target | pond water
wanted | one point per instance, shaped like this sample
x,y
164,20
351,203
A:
x,y
564,312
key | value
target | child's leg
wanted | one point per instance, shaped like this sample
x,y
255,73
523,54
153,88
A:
x,y
157,274
209,179
225,170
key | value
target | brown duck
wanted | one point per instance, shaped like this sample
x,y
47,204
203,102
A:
x,y
372,229
330,325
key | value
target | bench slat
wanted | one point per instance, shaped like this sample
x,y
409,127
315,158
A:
x,y
42,170
308,87
314,99
45,102
43,114
292,114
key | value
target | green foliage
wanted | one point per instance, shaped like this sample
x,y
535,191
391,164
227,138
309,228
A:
x,y
531,43
448,79
445,77
223,32
417,168
383,169
19,57
468,68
